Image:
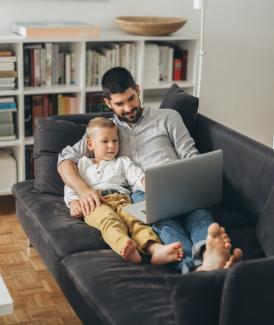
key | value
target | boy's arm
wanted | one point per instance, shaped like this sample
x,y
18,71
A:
x,y
69,173
134,174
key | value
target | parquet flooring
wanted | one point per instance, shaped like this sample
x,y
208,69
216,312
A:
x,y
37,298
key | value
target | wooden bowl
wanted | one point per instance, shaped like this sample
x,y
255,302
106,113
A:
x,y
151,26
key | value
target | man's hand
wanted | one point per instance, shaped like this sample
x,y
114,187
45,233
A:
x,y
89,199
75,209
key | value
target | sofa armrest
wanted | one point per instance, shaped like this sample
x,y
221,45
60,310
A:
x,y
248,166
248,294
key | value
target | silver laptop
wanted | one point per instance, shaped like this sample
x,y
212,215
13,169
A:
x,y
180,187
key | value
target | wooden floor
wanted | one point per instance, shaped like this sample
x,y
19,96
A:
x,y
37,298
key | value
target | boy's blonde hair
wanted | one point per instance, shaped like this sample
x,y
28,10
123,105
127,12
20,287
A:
x,y
99,122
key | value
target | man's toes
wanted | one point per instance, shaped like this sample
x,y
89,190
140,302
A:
x,y
214,230
238,254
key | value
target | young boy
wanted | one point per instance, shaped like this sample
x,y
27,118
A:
x,y
113,176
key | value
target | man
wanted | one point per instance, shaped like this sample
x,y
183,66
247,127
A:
x,y
152,137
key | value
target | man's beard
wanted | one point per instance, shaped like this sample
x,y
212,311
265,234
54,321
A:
x,y
137,114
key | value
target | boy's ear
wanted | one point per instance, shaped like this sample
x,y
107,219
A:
x,y
89,145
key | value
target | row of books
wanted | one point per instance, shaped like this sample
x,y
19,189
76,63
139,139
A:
x,y
165,63
8,71
95,103
8,109
46,105
46,64
108,56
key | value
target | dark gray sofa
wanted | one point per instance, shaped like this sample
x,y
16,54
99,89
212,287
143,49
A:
x,y
105,290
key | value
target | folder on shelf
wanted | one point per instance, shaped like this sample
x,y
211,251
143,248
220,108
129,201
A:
x,y
55,29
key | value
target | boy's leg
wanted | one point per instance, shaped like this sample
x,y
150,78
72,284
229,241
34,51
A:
x,y
148,242
114,231
170,231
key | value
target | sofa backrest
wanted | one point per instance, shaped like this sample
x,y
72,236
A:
x,y
248,166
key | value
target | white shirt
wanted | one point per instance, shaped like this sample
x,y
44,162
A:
x,y
120,174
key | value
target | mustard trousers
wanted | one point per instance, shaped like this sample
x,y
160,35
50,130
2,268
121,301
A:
x,y
117,226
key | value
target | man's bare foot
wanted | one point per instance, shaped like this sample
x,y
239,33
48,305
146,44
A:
x,y
163,254
217,250
234,258
130,252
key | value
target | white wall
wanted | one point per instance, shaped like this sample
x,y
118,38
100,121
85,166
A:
x,y
238,79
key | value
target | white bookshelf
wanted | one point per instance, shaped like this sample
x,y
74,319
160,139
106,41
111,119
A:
x,y
152,93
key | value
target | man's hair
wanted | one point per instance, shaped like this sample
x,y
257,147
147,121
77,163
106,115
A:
x,y
117,80
98,122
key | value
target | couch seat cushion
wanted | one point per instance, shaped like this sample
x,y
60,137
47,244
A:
x,y
123,293
62,233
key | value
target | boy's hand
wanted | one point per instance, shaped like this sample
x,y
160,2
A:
x,y
75,209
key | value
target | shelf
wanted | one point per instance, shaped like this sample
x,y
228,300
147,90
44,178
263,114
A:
x,y
82,96
10,143
166,85
51,90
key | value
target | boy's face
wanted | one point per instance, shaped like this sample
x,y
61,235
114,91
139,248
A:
x,y
104,143
126,105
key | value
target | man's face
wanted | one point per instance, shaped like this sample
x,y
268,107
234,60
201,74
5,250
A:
x,y
126,105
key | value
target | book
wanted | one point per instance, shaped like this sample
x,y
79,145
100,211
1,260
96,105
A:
x,y
6,129
7,66
7,137
6,117
7,105
7,58
8,74
4,81
5,53
55,29
6,99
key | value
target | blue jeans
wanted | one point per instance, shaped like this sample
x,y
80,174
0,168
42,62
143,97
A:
x,y
190,230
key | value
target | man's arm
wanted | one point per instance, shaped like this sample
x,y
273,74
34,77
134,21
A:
x,y
180,137
69,173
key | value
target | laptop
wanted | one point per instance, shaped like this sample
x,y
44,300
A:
x,y
180,187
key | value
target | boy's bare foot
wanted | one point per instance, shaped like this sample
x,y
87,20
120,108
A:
x,y
163,254
130,252
217,250
234,258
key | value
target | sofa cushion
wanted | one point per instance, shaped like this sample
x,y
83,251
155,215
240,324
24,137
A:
x,y
149,294
52,222
183,103
50,138
265,226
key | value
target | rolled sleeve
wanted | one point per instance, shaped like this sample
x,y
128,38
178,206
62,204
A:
x,y
180,137
74,152
69,195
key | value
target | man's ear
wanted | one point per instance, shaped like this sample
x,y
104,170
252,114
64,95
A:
x,y
137,88
107,102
